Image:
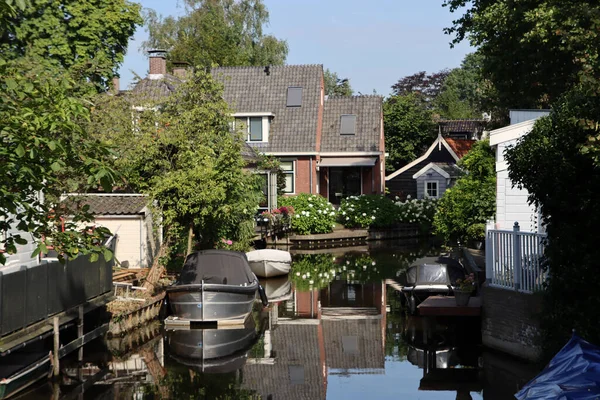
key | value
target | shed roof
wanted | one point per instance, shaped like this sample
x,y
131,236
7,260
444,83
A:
x,y
367,135
262,90
108,203
460,146
462,126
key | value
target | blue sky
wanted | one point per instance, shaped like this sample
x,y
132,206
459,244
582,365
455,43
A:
x,y
372,43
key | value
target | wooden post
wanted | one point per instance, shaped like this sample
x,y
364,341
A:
x,y
516,257
190,236
489,254
80,333
56,369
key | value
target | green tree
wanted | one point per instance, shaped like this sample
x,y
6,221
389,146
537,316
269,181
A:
x,y
89,37
334,86
42,140
533,50
221,32
409,129
563,182
472,200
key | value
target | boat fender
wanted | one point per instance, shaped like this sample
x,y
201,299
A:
x,y
263,296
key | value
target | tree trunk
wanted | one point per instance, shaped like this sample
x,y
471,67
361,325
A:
x,y
190,236
156,370
157,268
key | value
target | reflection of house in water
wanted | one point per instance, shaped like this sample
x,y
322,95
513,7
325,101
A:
x,y
337,330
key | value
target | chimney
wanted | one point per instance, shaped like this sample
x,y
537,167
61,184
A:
x,y
158,63
115,84
180,69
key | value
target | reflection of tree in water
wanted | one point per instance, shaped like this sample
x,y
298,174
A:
x,y
187,383
396,347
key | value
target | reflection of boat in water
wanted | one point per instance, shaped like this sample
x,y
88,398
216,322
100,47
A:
x,y
444,357
429,277
212,350
267,263
214,285
22,378
277,289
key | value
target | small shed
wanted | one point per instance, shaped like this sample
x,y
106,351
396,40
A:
x,y
128,216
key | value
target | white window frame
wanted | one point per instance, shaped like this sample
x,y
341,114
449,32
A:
x,y
266,125
292,173
437,189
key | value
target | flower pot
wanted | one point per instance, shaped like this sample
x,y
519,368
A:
x,y
462,297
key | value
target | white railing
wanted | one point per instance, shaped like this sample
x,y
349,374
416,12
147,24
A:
x,y
514,259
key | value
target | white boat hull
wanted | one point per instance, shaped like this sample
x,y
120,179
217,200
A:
x,y
268,263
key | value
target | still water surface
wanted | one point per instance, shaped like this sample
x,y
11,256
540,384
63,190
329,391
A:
x,y
334,330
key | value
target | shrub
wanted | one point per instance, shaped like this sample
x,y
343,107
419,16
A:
x,y
313,213
312,271
367,210
415,211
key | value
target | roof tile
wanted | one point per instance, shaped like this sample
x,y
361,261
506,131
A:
x,y
109,204
460,146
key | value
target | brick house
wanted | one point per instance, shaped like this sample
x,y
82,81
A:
x,y
330,146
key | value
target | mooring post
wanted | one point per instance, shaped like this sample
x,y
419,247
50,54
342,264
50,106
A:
x,y
56,370
80,332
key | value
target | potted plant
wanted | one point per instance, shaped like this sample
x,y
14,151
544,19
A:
x,y
463,290
476,235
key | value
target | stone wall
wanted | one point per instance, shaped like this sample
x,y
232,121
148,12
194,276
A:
x,y
510,323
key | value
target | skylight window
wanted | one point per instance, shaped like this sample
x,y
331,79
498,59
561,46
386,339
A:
x,y
348,124
294,97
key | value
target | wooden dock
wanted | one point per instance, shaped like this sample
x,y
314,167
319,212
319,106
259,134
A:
x,y
445,306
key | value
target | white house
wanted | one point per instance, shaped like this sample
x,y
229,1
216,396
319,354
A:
x,y
511,202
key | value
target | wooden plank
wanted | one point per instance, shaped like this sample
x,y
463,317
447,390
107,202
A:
x,y
88,337
446,306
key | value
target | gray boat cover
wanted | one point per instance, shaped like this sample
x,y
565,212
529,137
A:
x,y
435,271
222,267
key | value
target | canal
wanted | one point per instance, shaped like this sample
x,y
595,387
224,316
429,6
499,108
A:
x,y
335,329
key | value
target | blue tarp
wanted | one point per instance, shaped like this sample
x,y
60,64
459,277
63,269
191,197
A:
x,y
573,374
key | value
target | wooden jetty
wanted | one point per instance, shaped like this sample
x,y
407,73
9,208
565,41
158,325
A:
x,y
445,306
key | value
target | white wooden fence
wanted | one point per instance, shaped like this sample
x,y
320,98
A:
x,y
514,259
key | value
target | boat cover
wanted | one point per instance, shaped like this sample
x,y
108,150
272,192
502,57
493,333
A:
x,y
216,267
269,255
435,271
573,374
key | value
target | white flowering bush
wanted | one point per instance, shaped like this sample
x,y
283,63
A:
x,y
312,271
313,213
416,211
367,210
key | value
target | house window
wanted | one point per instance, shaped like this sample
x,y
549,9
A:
x,y
264,184
431,189
290,175
294,97
255,129
348,123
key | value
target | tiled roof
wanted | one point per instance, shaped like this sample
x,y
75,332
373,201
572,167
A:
x,y
156,90
466,126
109,204
367,333
250,89
368,111
460,146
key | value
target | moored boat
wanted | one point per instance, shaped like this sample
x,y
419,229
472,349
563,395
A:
x,y
277,289
267,263
214,285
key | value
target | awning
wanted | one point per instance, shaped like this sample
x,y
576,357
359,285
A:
x,y
347,161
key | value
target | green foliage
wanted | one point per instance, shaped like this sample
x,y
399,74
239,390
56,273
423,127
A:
x,y
409,129
533,50
270,163
42,141
334,86
472,200
417,211
367,210
476,232
313,213
87,37
221,32
563,182
312,271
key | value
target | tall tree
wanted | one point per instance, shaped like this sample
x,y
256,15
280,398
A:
x,y
409,129
334,86
533,50
42,140
427,86
89,37
221,32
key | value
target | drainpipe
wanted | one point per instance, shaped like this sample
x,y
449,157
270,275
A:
x,y
310,179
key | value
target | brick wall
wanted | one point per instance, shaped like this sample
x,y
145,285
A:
x,y
509,322
303,171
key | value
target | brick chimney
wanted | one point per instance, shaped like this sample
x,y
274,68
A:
x,y
158,63
180,69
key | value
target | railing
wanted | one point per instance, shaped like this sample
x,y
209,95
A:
x,y
514,259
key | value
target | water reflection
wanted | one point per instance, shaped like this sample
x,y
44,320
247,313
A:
x,y
333,329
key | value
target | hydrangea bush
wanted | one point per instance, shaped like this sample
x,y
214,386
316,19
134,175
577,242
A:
x,y
312,271
416,211
367,210
312,213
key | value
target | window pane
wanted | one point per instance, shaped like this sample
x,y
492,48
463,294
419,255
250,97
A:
x,y
289,183
348,125
294,97
256,129
265,189
287,165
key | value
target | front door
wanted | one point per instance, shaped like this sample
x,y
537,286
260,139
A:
x,y
344,182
